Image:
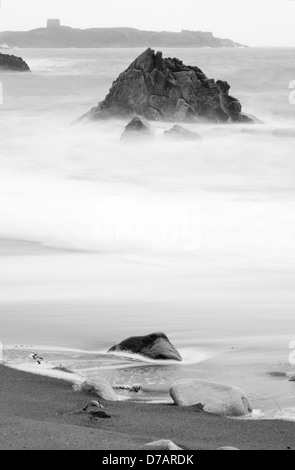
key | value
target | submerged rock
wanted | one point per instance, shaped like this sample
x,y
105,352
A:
x,y
155,346
13,63
180,133
167,90
216,398
162,445
100,388
63,369
136,129
278,374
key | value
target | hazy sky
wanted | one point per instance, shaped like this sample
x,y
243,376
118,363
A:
x,y
252,22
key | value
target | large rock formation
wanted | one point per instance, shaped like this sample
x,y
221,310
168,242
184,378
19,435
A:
x,y
13,63
167,90
155,346
215,398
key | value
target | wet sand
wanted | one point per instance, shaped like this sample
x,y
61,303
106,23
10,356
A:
x,y
42,413
66,299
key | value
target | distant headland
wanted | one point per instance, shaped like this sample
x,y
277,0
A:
x,y
55,35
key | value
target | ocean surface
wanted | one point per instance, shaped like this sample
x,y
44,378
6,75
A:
x,y
80,267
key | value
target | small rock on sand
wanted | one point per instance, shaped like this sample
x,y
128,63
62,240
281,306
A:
x,y
162,445
99,387
93,405
227,448
99,414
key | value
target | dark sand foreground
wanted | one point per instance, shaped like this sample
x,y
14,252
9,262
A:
x,y
40,413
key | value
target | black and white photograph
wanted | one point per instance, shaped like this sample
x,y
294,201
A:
x,y
147,227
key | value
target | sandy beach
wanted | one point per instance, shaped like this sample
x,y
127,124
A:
x,y
43,413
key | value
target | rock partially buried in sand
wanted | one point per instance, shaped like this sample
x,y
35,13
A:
x,y
167,90
162,445
227,448
100,388
292,378
155,346
13,63
96,411
216,398
180,133
99,414
136,129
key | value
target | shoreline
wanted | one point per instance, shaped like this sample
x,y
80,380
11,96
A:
x,y
38,412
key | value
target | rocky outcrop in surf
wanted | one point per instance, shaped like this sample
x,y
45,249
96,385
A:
x,y
136,129
13,63
155,346
181,134
161,89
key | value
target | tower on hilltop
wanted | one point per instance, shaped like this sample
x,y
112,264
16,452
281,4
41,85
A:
x,y
53,24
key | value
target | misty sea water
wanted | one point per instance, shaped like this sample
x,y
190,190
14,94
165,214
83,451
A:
x,y
227,302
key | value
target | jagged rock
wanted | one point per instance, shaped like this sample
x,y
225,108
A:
x,y
13,63
136,129
167,90
99,387
216,398
162,445
180,133
155,346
